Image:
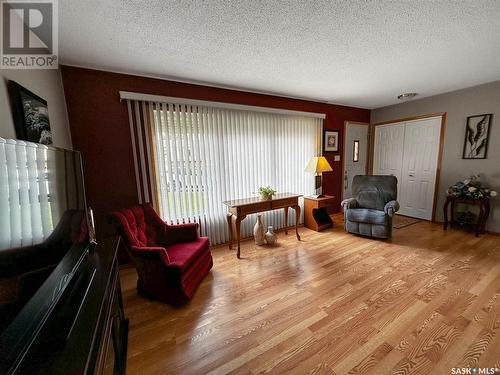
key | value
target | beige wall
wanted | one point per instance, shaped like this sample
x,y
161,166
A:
x,y
46,84
458,105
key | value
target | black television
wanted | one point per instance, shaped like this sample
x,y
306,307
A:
x,y
44,237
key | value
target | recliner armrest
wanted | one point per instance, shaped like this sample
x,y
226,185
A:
x,y
391,208
181,233
349,203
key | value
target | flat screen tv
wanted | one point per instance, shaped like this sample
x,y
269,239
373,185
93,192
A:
x,y
43,218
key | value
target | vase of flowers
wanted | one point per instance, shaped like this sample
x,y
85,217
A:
x,y
471,188
266,193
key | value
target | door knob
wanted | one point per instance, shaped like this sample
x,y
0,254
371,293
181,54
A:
x,y
411,175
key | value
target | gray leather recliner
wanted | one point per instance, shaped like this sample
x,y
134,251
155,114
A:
x,y
370,212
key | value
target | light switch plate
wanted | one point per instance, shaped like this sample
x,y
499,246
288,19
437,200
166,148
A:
x,y
336,158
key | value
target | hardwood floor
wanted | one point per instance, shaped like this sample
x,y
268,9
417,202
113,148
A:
x,y
332,303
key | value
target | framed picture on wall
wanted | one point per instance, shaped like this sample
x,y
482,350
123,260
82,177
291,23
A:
x,y
330,140
31,115
477,131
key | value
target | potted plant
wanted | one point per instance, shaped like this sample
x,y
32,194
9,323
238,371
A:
x,y
266,193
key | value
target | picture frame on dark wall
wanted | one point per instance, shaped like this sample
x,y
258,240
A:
x,y
31,115
477,133
330,141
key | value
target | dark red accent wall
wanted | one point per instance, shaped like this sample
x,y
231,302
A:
x,y
100,129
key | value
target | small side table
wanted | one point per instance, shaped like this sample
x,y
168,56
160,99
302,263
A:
x,y
484,211
316,212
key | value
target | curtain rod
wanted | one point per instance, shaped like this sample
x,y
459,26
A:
x,y
126,95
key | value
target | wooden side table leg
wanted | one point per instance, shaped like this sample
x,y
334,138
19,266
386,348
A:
x,y
237,227
486,214
238,224
286,219
230,228
452,213
480,220
445,212
297,218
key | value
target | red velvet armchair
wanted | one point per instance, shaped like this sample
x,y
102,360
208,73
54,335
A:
x,y
171,260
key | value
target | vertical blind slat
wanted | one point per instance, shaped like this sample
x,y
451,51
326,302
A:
x,y
25,211
4,197
140,141
146,115
134,150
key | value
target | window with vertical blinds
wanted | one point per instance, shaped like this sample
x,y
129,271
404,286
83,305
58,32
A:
x,y
204,156
25,208
38,185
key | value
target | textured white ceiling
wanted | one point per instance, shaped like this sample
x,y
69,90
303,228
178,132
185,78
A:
x,y
361,53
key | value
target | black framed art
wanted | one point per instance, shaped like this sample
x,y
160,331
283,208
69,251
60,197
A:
x,y
330,140
31,115
477,133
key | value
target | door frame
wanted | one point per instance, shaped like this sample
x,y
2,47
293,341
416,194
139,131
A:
x,y
440,150
368,157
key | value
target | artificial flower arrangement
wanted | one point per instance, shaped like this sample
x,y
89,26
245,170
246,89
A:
x,y
471,188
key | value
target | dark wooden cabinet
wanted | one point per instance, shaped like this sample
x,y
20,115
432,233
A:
x,y
84,331
111,353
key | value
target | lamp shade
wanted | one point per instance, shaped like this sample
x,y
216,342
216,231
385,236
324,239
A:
x,y
318,164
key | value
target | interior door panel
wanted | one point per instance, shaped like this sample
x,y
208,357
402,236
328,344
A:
x,y
354,132
409,151
388,156
421,148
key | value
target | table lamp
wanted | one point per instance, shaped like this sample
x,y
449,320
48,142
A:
x,y
318,165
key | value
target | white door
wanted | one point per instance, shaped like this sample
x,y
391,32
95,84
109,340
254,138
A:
x,y
355,154
388,152
409,151
421,149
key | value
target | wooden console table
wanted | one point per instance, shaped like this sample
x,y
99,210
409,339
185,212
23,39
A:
x,y
238,209
484,211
